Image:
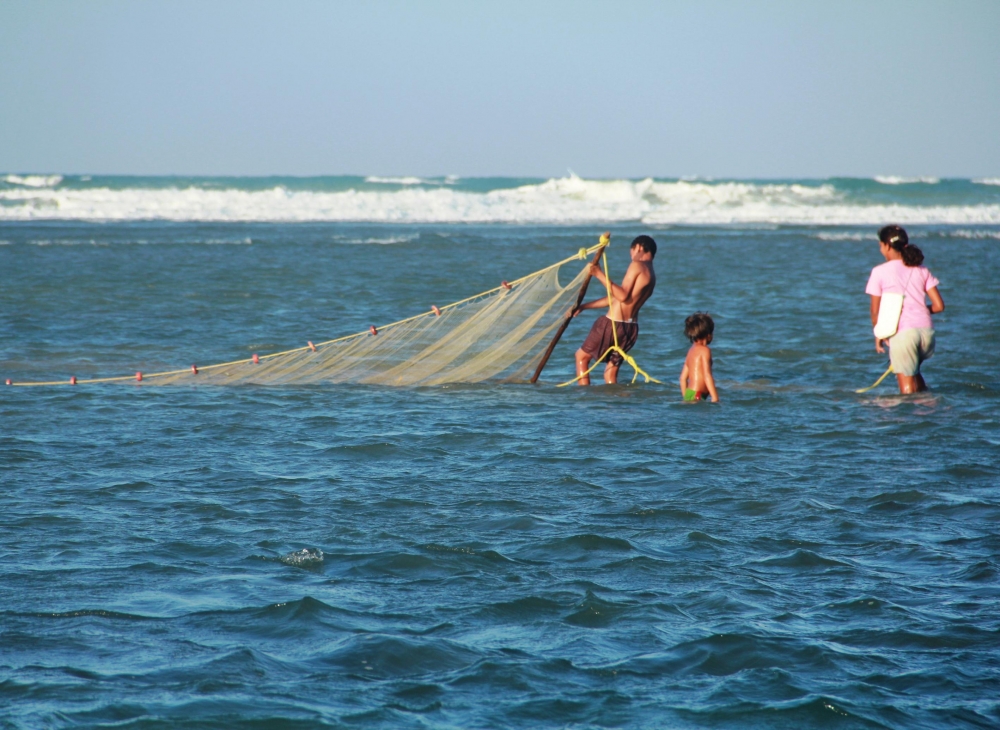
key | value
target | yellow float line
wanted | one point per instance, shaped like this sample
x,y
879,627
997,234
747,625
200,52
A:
x,y
876,383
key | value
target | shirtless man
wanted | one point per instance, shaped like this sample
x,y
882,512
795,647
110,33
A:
x,y
626,301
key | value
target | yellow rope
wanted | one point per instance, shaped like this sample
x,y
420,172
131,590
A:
x,y
614,348
876,383
582,253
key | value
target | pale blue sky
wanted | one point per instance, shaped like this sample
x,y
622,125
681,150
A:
x,y
726,89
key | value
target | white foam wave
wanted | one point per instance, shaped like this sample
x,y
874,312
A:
x,y
384,241
980,234
409,180
899,180
303,558
69,242
987,181
394,180
33,181
844,236
568,200
134,242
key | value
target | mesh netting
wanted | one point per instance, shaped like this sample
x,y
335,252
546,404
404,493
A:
x,y
500,334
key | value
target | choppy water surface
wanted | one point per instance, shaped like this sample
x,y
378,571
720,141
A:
x,y
491,555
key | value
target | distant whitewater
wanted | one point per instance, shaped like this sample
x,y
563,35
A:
x,y
567,200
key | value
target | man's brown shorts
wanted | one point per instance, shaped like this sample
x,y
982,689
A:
x,y
601,338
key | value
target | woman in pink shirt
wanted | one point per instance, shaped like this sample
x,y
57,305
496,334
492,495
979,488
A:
x,y
902,273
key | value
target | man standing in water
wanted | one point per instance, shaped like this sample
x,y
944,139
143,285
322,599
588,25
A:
x,y
626,301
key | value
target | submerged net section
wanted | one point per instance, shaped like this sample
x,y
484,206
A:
x,y
500,334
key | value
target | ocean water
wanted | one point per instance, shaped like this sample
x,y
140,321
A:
x,y
492,555
562,201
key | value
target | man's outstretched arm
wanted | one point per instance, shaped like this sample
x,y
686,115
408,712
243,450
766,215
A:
x,y
596,304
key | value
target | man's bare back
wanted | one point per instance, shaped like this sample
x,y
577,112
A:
x,y
638,284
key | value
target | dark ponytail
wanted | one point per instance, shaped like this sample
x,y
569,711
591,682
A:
x,y
895,238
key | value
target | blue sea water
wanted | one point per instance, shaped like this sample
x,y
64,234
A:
x,y
492,555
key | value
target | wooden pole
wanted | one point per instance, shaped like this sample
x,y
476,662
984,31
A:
x,y
605,239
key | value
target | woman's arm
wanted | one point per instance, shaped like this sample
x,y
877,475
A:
x,y
937,303
876,303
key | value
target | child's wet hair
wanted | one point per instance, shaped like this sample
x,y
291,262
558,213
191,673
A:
x,y
698,326
646,243
895,238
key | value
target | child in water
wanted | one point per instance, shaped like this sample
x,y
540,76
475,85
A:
x,y
697,382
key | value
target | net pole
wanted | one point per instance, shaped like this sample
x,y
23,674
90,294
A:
x,y
605,240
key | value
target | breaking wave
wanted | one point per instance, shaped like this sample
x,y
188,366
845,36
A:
x,y
405,180
33,181
845,236
898,180
975,235
566,200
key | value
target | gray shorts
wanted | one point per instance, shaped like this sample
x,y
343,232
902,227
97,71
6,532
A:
x,y
909,348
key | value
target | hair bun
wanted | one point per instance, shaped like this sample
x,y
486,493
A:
x,y
893,236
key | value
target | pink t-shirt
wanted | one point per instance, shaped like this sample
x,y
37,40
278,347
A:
x,y
892,276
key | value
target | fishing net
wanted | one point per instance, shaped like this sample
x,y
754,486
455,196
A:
x,y
499,334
